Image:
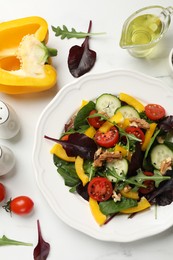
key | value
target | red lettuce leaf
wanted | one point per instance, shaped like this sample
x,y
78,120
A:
x,y
78,145
81,59
163,195
166,124
41,251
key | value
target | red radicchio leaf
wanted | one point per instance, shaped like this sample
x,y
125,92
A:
x,y
78,144
41,251
81,59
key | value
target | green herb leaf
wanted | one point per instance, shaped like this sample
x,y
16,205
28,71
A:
x,y
157,177
110,207
66,33
67,171
81,116
5,241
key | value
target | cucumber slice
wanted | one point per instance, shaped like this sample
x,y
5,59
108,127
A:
x,y
107,103
160,153
120,166
128,112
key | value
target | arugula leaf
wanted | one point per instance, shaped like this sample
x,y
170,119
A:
x,y
157,177
66,33
138,179
110,207
5,241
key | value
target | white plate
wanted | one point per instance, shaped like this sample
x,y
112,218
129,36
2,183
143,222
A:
x,y
71,208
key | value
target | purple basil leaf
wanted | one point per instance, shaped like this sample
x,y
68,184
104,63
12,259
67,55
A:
x,y
136,161
82,191
163,195
166,124
41,251
81,59
78,144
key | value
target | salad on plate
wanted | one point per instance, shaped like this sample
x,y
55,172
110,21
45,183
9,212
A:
x,y
117,153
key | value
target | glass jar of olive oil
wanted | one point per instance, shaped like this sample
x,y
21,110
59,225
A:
x,y
144,29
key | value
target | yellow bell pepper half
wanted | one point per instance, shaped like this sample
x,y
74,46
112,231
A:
x,y
99,217
19,39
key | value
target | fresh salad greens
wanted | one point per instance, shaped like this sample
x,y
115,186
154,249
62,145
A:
x,y
117,153
5,241
66,33
81,59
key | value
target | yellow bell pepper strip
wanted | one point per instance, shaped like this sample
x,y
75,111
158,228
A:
x,y
99,217
24,57
84,103
80,170
131,101
149,133
90,132
130,194
142,204
117,118
59,151
122,150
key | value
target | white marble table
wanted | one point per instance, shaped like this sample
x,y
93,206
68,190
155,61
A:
x,y
67,243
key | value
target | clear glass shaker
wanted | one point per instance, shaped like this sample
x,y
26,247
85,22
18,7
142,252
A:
x,y
7,160
9,121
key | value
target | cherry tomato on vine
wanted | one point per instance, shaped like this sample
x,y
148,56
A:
x,y
136,131
20,205
100,189
108,139
154,111
96,122
2,192
150,185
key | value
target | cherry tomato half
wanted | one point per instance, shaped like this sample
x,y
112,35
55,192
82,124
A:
x,y
154,111
2,192
108,139
96,122
20,205
100,189
150,185
136,131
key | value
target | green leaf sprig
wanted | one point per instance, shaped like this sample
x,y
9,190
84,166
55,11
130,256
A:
x,y
5,241
66,33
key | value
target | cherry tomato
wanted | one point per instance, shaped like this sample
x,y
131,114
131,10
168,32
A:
x,y
20,205
2,192
154,111
108,139
100,189
136,131
96,122
150,185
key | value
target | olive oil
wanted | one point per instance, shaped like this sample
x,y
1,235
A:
x,y
143,29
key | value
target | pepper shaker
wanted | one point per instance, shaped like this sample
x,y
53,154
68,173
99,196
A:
x,y
9,122
7,160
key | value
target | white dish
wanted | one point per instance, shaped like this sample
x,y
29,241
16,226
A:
x,y
71,208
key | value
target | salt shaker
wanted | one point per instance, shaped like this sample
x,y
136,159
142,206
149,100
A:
x,y
7,160
9,122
